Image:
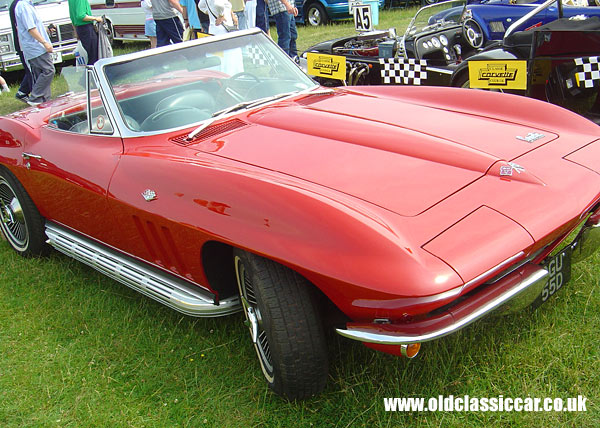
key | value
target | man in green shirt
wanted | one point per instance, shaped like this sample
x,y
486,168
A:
x,y
82,18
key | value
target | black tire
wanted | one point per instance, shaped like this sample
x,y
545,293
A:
x,y
462,81
20,221
316,15
281,310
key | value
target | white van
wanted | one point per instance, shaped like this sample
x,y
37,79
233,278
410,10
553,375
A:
x,y
55,14
125,19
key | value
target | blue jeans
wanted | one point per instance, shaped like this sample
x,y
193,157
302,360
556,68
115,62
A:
x,y
261,15
286,32
241,16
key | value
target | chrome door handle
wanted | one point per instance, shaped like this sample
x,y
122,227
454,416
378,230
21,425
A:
x,y
31,156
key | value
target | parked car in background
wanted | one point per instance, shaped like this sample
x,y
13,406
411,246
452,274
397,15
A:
x,y
320,12
491,18
125,18
215,176
543,62
55,14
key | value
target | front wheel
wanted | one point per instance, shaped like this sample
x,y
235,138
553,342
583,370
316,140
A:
x,y
316,15
20,221
285,326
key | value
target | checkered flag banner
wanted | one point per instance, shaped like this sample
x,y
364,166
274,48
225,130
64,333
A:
x,y
591,71
407,71
258,57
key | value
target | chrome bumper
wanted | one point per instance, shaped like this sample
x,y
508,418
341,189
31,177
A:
x,y
515,291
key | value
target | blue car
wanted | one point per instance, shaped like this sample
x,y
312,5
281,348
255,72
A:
x,y
320,12
489,19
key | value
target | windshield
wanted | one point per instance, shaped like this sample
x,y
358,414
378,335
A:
x,y
431,17
192,82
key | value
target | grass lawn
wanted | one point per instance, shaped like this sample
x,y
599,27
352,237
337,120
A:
x,y
80,350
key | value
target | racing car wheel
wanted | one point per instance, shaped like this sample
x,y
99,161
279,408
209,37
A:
x,y
473,33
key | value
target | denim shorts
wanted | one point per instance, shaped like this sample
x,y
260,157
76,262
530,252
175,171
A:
x,y
150,28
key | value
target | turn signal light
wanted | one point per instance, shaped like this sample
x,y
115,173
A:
x,y
410,350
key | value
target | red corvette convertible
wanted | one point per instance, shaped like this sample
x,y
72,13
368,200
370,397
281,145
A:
x,y
214,176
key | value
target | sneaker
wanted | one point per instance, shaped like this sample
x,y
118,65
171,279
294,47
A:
x,y
5,89
21,96
31,103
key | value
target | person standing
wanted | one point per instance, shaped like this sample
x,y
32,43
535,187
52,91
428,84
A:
x,y
37,48
220,14
150,25
250,12
25,87
81,16
191,18
169,28
284,12
239,8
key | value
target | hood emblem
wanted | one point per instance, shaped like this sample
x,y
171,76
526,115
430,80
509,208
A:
x,y
507,170
531,137
149,195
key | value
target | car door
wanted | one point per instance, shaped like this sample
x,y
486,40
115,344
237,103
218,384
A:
x,y
70,166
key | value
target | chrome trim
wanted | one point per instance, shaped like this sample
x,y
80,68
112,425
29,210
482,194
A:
x,y
30,156
587,241
163,287
439,70
493,270
391,338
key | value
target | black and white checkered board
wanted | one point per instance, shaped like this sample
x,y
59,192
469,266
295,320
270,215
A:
x,y
591,71
258,57
407,71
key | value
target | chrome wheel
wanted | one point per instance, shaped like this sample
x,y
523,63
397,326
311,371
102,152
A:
x,y
254,320
12,217
316,15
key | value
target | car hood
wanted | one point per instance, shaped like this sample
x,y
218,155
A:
x,y
392,152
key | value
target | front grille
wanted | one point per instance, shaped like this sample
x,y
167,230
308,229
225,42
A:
x,y
60,33
67,32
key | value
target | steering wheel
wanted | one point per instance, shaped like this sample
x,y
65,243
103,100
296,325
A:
x,y
173,117
473,33
236,95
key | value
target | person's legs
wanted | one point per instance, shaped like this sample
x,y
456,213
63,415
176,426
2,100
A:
x,y
89,39
261,16
282,21
42,71
162,35
172,30
241,16
250,12
27,81
293,36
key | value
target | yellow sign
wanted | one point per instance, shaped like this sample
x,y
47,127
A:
x,y
323,65
510,74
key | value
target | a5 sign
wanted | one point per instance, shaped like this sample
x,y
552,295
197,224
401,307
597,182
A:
x,y
363,19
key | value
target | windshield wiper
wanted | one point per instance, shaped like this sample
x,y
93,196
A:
x,y
239,106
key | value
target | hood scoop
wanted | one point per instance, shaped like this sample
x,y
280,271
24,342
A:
x,y
210,132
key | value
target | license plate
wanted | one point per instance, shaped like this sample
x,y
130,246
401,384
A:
x,y
559,273
56,57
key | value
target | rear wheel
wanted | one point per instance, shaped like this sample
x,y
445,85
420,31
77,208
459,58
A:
x,y
316,15
20,222
285,326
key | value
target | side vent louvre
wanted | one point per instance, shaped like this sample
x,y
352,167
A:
x,y
211,131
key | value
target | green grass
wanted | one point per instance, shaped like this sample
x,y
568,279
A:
x,y
80,350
